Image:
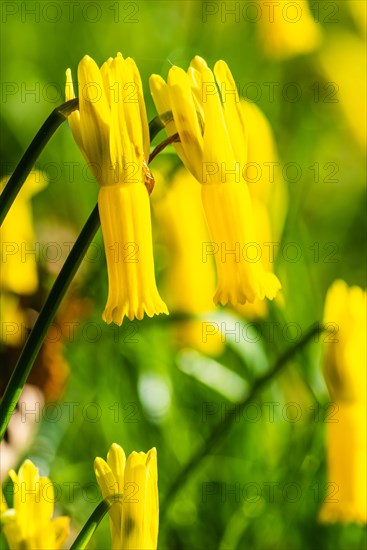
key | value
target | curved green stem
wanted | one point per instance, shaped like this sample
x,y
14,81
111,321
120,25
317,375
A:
x,y
92,523
44,134
63,280
158,123
222,427
44,320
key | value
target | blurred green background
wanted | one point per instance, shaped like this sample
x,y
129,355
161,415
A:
x,y
132,385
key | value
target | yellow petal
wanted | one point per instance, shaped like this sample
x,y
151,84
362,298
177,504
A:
x,y
94,115
151,512
105,477
217,147
186,118
74,117
162,101
116,460
133,528
109,487
232,111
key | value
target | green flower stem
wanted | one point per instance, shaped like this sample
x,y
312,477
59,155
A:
x,y
94,520
175,138
158,123
63,280
12,188
222,428
44,320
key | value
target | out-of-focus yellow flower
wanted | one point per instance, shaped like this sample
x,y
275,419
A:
x,y
213,136
29,525
111,129
190,277
348,79
287,29
133,520
345,370
18,250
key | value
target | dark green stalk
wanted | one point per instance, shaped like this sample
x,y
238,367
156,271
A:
x,y
44,134
158,123
44,320
63,280
92,523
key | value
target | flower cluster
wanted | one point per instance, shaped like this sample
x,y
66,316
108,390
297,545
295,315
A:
x,y
215,137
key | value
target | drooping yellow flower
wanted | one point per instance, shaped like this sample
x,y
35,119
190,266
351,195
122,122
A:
x,y
347,86
19,250
190,276
134,519
111,129
28,525
287,29
345,370
213,135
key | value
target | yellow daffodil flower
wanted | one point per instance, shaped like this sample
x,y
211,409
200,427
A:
x,y
213,146
345,370
29,525
287,29
19,256
111,129
133,520
190,277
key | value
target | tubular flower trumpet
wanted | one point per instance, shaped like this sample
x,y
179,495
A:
x,y
111,130
134,518
213,145
29,525
345,371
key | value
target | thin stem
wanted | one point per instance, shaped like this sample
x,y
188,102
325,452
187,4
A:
x,y
158,123
172,139
44,320
92,523
221,428
44,134
64,278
